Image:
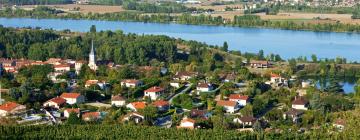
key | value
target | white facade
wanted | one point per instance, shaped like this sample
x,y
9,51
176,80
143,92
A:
x,y
152,95
92,58
240,101
299,107
78,66
187,124
78,100
51,104
118,103
175,84
231,109
131,84
67,114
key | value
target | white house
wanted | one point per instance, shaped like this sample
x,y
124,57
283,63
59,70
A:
x,y
184,75
131,83
187,123
175,84
300,103
68,111
91,116
204,87
242,100
339,124
135,106
118,101
245,121
10,108
73,98
56,102
133,116
229,106
62,68
89,83
154,92
259,64
78,65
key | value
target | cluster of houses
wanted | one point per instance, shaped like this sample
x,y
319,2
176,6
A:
x,y
231,104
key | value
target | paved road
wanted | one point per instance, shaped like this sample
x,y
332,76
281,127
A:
x,y
181,92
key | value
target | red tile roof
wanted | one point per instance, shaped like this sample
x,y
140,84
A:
x,y
160,103
91,82
9,106
58,100
274,75
62,66
154,89
139,105
203,85
226,103
117,98
238,97
76,110
300,101
70,95
91,115
340,122
247,119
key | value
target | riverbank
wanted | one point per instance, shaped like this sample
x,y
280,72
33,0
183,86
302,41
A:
x,y
252,21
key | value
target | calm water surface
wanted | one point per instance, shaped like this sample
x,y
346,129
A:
x,y
287,43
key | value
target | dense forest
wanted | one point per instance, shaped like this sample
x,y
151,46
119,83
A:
x,y
164,7
239,21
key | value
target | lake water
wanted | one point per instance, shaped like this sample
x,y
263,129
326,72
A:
x,y
287,43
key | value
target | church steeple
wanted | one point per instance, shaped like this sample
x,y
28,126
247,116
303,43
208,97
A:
x,y
92,52
92,57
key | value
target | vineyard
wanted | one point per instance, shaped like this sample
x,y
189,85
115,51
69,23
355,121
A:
x,y
141,132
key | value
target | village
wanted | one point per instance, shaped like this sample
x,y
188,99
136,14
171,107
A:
x,y
184,99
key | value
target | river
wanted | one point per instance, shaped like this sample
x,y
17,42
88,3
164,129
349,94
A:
x,y
287,43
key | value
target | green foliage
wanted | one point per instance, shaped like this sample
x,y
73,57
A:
x,y
164,7
73,119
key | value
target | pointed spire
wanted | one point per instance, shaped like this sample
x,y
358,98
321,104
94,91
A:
x,y
92,52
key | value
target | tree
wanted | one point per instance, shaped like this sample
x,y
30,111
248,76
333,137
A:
x,y
334,86
149,114
93,29
314,58
225,47
74,119
261,55
257,126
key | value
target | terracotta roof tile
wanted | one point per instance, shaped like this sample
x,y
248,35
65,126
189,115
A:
x,y
238,97
226,103
70,95
139,105
57,100
300,101
160,103
154,89
9,106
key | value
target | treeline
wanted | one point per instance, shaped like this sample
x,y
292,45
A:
x,y
164,7
35,2
145,132
114,46
239,21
